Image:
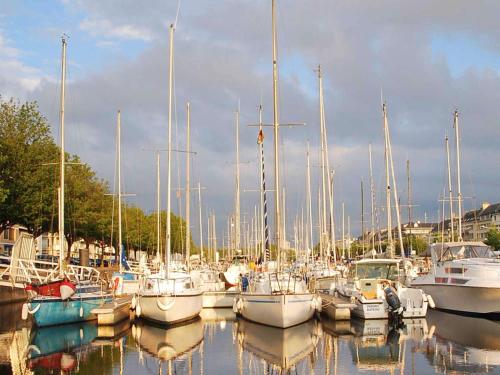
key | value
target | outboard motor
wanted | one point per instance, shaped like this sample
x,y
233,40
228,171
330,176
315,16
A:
x,y
395,309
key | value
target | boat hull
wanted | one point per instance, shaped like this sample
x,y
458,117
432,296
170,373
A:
x,y
465,299
113,312
169,309
374,309
51,311
277,310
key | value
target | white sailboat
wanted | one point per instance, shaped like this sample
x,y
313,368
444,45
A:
x,y
125,282
169,297
277,299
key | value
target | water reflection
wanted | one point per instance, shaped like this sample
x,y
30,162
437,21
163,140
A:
x,y
57,348
463,344
281,349
219,344
168,343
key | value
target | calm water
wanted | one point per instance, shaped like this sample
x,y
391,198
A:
x,y
220,344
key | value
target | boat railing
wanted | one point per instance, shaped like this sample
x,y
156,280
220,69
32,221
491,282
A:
x,y
280,279
28,271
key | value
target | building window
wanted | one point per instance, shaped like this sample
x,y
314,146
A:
x,y
6,234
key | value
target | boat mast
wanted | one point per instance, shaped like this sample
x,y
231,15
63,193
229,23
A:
x,y
237,214
362,217
409,204
372,193
309,202
260,142
188,191
450,192
158,212
214,238
390,245
323,166
396,199
276,139
459,190
332,217
343,230
119,156
201,222
169,151
62,163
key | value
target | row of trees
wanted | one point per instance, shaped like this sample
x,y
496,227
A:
x,y
29,180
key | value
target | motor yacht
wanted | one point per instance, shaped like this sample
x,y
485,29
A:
x,y
464,277
377,288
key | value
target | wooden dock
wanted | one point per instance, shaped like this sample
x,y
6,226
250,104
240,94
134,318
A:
x,y
335,307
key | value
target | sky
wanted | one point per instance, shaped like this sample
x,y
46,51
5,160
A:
x,y
426,58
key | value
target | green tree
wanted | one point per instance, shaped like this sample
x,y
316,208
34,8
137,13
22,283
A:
x,y
27,187
493,238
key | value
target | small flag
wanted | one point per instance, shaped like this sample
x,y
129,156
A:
x,y
260,137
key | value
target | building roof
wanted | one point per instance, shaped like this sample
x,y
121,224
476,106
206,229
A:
x,y
491,209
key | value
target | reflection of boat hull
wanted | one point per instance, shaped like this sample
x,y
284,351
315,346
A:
x,y
55,361
50,340
281,347
218,299
217,315
277,310
51,311
169,309
108,332
472,300
465,330
168,343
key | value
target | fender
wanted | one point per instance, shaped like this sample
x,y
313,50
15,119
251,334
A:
x,y
163,307
31,312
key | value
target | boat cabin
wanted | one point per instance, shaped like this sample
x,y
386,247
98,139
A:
x,y
448,251
388,269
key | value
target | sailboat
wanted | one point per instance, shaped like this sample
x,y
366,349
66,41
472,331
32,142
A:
x,y
324,275
377,286
169,297
279,299
125,282
69,292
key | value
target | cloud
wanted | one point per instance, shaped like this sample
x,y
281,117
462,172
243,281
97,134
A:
x,y
108,30
16,78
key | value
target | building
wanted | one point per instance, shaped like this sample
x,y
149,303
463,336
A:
x,y
477,223
8,237
417,229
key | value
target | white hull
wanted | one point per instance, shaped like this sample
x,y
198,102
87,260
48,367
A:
x,y
169,309
277,310
472,300
218,299
373,309
413,301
